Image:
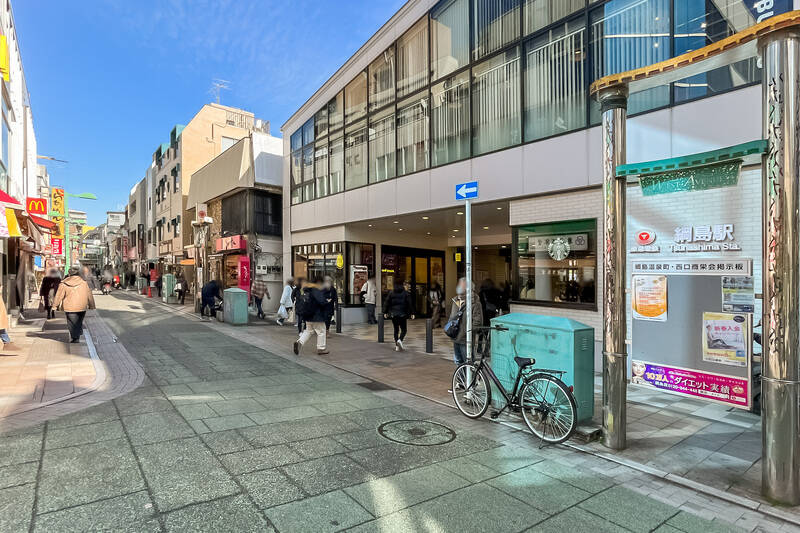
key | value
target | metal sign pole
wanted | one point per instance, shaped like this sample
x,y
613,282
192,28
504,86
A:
x,y
468,272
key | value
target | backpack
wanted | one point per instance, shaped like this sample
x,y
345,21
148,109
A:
x,y
305,306
453,326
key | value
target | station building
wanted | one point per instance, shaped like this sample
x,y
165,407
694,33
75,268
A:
x,y
498,91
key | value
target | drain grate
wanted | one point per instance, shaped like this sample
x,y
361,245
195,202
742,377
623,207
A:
x,y
417,432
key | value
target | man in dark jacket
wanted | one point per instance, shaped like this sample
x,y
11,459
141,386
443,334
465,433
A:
x,y
399,307
460,342
310,306
211,290
332,298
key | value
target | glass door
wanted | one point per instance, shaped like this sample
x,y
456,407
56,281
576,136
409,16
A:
x,y
420,288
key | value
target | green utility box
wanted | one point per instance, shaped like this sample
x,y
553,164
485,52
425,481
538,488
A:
x,y
556,343
234,306
168,288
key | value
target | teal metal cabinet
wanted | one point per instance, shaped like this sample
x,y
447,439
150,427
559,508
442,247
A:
x,y
556,343
234,306
168,287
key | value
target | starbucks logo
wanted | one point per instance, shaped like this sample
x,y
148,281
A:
x,y
558,249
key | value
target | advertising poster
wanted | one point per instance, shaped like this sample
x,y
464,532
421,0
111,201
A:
x,y
723,339
244,273
737,294
716,387
358,277
649,298
57,245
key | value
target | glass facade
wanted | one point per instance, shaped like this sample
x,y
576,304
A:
x,y
349,264
556,263
475,76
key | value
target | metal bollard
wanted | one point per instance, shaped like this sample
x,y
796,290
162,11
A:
x,y
429,336
380,328
338,319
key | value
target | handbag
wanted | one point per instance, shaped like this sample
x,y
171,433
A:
x,y
453,326
41,305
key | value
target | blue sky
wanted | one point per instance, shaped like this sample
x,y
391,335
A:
x,y
109,78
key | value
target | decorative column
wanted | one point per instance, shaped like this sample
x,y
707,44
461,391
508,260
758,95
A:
x,y
614,103
780,382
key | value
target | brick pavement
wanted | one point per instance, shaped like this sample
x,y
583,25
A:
x,y
655,483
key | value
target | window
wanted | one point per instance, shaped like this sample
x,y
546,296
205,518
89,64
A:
x,y
335,115
557,263
355,157
321,123
267,211
321,168
308,132
297,176
450,116
308,173
227,142
698,24
412,136
297,140
355,97
360,267
381,146
336,164
412,59
496,103
176,185
628,34
449,37
177,225
555,85
381,80
495,23
541,13
319,260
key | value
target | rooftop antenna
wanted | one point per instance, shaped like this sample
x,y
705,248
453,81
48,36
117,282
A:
x,y
217,85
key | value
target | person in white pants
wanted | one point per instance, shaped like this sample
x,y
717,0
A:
x,y
310,306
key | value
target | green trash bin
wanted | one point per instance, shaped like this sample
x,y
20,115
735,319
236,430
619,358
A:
x,y
234,306
556,343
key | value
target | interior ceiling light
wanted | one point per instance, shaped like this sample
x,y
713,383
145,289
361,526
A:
x,y
429,233
425,218
460,213
396,222
400,229
455,230
499,208
486,227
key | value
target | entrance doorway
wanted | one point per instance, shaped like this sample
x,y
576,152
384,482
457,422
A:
x,y
418,268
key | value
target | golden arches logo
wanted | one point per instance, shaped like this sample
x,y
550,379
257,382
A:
x,y
36,206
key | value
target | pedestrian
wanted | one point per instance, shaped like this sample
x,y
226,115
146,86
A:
x,y
310,306
332,299
297,291
399,307
459,314
181,287
88,277
286,309
208,295
435,295
48,290
370,293
74,296
258,288
4,327
159,284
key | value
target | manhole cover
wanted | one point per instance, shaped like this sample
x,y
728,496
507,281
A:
x,y
417,432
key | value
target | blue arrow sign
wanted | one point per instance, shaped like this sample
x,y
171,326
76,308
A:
x,y
466,191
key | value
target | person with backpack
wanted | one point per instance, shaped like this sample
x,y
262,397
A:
x,y
399,306
456,327
311,308
75,297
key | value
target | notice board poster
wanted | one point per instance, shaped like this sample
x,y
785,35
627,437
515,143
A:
x,y
649,297
724,338
738,295
729,390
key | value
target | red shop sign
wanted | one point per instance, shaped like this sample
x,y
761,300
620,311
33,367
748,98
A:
x,y
234,242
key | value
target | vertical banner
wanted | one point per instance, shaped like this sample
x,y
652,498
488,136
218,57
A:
x,y
244,273
57,210
57,244
140,240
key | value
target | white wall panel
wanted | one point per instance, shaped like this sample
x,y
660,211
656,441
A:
x,y
552,164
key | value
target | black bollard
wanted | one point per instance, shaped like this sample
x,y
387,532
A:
x,y
338,319
380,328
429,336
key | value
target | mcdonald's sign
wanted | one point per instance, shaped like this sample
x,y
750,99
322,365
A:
x,y
36,206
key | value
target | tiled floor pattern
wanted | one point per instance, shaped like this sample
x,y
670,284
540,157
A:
x,y
224,436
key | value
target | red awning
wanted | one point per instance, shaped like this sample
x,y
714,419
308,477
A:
x,y
8,199
42,222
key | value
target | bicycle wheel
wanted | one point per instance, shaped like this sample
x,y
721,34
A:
x,y
471,391
549,408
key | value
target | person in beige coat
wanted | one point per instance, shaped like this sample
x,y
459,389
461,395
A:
x,y
5,326
74,296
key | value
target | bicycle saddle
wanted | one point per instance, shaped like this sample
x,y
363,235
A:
x,y
525,361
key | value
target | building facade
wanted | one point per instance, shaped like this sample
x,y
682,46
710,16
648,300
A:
x,y
498,91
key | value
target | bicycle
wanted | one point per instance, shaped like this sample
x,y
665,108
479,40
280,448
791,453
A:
x,y
546,403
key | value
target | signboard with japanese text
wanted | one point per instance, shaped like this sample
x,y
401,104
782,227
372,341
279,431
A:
x,y
115,220
57,210
57,244
723,338
244,273
738,295
649,297
719,388
703,267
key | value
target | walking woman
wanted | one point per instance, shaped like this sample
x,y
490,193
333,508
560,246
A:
x,y
75,297
399,307
286,310
48,291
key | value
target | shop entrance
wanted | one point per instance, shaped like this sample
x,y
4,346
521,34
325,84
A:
x,y
417,268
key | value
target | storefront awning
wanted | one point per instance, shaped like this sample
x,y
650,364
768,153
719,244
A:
x,y
13,223
43,223
9,200
187,262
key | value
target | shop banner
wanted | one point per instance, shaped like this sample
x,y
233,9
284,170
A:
x,y
716,387
723,339
738,295
57,245
649,297
244,273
